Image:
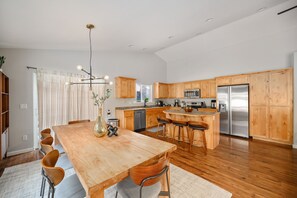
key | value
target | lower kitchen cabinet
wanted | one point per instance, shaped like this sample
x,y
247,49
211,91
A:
x,y
259,121
281,124
152,115
126,118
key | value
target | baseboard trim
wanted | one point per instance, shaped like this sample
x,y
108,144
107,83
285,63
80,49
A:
x,y
12,153
295,146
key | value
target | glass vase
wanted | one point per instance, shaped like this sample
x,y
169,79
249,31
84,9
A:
x,y
100,127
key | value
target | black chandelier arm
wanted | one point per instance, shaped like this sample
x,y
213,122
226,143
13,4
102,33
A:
x,y
86,83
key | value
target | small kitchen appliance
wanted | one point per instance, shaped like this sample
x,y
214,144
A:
x,y
213,104
176,103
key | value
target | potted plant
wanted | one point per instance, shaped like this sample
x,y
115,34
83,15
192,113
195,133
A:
x,y
100,127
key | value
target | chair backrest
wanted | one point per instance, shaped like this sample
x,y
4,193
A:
x,y
139,173
78,121
45,133
54,174
46,144
197,123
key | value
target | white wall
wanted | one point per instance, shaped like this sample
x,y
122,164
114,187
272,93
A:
x,y
146,67
260,42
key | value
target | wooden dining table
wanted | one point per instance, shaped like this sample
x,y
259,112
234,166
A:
x,y
102,162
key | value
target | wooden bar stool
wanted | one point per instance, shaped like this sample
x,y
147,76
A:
x,y
180,125
163,122
198,126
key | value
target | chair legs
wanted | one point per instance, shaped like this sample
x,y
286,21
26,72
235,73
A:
x,y
191,140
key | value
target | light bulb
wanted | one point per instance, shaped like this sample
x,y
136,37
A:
x,y
110,83
79,67
106,77
67,83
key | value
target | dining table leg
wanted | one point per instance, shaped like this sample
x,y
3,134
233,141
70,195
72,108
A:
x,y
164,181
97,194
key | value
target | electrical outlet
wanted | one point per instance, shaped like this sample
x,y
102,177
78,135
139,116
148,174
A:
x,y
25,137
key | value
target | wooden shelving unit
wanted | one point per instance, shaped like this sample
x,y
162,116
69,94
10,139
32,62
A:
x,y
4,109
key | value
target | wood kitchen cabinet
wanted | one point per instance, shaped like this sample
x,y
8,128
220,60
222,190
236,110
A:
x,y
196,84
271,105
125,87
180,88
160,90
171,91
259,121
259,84
126,118
152,114
208,89
187,85
232,80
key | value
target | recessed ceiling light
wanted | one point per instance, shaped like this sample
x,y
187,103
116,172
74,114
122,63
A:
x,y
130,45
170,37
209,20
261,9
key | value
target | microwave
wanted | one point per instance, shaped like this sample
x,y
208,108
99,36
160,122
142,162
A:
x,y
192,93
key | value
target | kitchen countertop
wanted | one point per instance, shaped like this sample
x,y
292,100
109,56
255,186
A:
x,y
137,107
193,113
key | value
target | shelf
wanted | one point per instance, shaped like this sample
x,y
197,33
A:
x,y
4,112
4,93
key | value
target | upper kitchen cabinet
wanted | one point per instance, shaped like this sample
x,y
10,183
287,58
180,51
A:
x,y
259,84
232,80
280,88
171,91
196,84
125,87
160,90
188,85
208,89
180,88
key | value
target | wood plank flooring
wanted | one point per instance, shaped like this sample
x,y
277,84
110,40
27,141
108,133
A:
x,y
246,168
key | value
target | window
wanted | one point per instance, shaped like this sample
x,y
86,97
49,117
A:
x,y
142,92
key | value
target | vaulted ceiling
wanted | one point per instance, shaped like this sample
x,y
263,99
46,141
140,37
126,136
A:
x,y
120,25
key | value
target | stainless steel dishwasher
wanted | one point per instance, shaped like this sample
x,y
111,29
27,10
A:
x,y
139,120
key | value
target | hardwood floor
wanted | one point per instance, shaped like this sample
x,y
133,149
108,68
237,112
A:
x,y
246,168
19,159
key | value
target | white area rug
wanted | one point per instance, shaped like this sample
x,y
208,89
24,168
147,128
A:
x,y
24,181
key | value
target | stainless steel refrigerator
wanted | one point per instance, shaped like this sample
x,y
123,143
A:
x,y
234,108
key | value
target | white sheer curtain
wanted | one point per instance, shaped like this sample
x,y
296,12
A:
x,y
58,103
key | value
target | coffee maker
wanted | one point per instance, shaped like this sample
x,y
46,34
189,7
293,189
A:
x,y
176,103
213,104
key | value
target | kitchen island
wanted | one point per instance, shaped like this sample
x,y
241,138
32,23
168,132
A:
x,y
211,118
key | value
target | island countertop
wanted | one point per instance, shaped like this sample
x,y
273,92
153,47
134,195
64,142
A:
x,y
193,113
212,119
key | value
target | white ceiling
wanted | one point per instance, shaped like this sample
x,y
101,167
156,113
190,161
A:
x,y
145,24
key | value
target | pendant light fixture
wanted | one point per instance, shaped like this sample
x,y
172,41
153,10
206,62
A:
x,y
91,79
